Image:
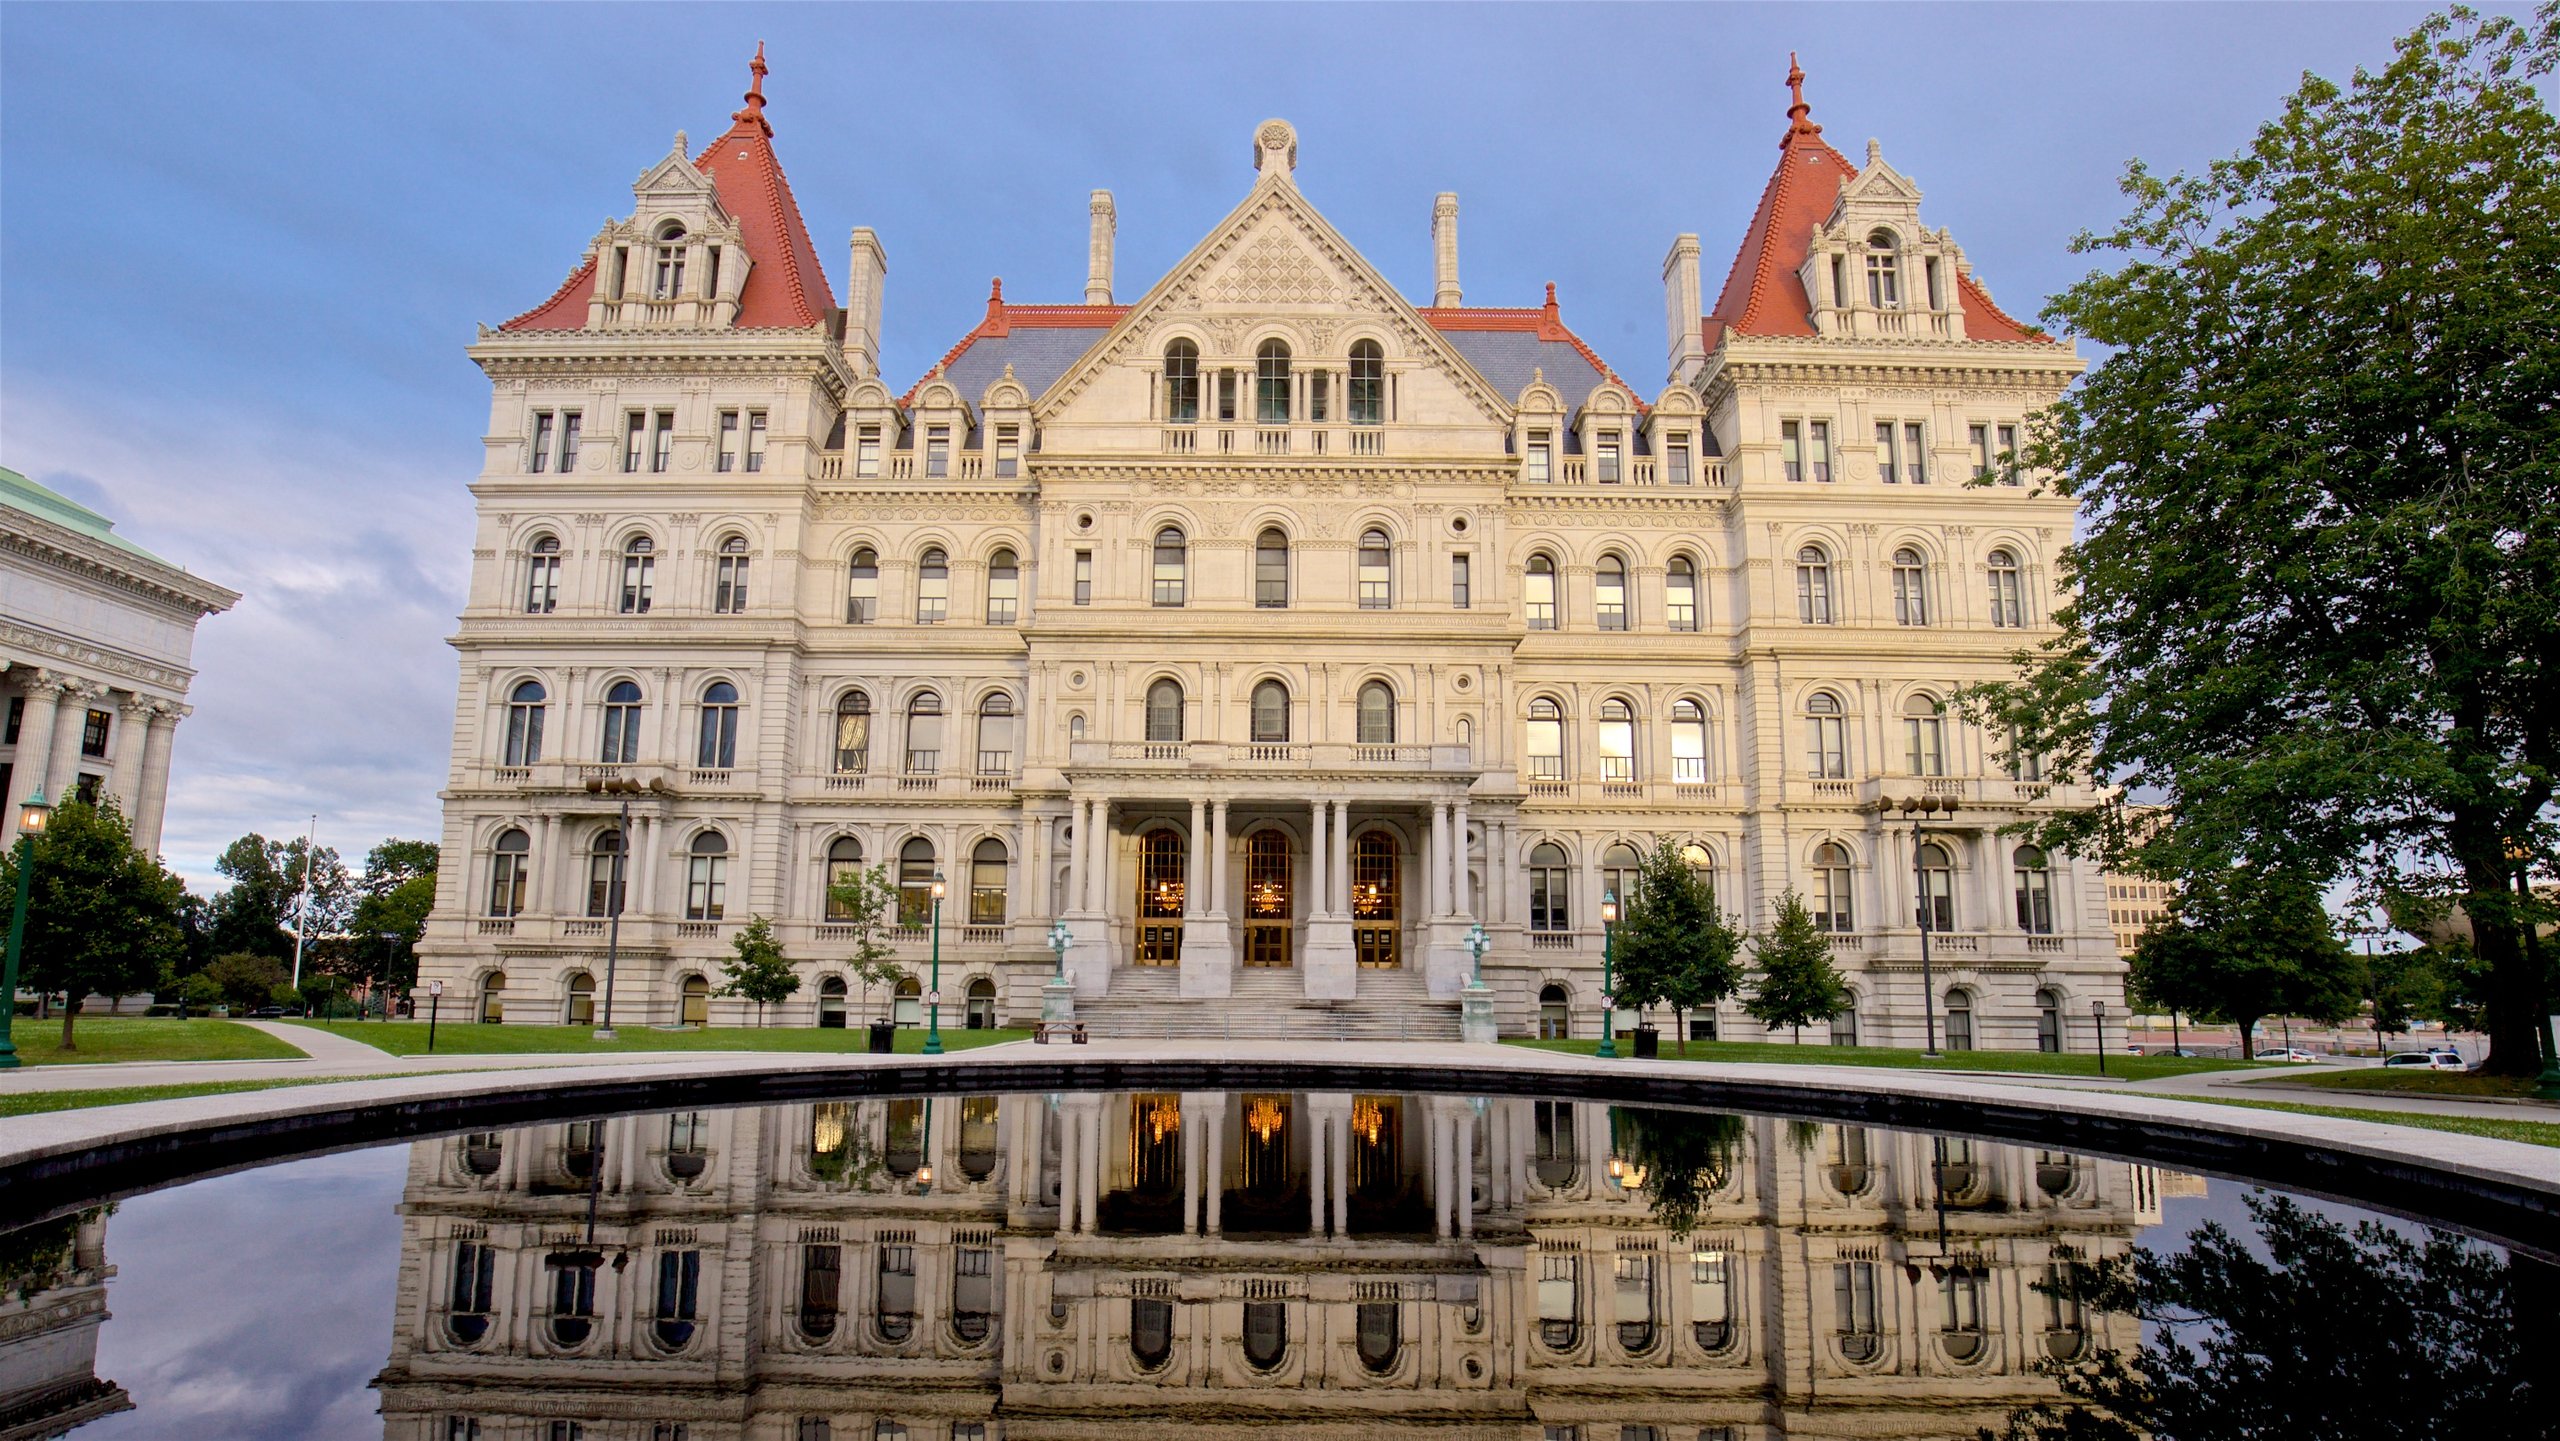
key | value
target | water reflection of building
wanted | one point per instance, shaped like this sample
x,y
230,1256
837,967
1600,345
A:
x,y
53,1299
1036,1267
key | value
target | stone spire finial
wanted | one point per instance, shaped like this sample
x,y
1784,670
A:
x,y
753,111
1799,114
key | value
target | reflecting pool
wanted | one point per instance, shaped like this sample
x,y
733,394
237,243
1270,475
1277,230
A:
x,y
963,1268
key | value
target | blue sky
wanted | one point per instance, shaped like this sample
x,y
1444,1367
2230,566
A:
x,y
245,245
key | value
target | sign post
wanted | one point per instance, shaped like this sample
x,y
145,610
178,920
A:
x,y
435,1002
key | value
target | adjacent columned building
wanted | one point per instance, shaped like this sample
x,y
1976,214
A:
x,y
1268,628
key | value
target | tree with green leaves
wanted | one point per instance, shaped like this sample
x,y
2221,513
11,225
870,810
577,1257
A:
x,y
1685,1157
256,914
759,971
245,982
858,905
390,915
2316,599
1797,982
2242,945
1674,946
102,917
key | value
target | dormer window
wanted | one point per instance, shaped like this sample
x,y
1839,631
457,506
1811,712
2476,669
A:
x,y
1884,272
1604,459
1675,458
1368,396
1540,466
937,451
866,451
1008,449
666,279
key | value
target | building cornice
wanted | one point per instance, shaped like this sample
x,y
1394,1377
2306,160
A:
x,y
61,548
89,657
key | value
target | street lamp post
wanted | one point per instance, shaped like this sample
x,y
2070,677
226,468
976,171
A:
x,y
1917,809
613,895
1608,976
2098,1010
933,994
1477,941
31,819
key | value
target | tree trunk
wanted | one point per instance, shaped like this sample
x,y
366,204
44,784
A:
x,y
2248,1049
2514,993
1799,1034
70,1013
1680,1020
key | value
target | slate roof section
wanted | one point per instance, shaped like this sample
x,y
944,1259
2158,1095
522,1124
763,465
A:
x,y
19,493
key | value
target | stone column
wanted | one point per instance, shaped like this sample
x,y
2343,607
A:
x,y
1435,865
133,721
1089,1170
1214,1164
1339,1127
1218,859
1319,896
1341,866
1466,1169
1461,902
547,869
1195,860
654,834
64,761
1317,1190
1079,833
1190,1169
43,691
1069,1187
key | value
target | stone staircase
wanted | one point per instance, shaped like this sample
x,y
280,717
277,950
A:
x,y
1268,1005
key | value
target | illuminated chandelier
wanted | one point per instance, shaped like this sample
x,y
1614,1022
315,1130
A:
x,y
1368,1119
1162,1118
1264,1116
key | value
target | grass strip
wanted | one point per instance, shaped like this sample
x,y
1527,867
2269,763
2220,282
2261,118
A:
x,y
2497,1128
409,1038
2024,1063
118,1040
2414,1082
36,1103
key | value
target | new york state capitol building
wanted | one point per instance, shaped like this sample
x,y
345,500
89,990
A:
x,y
1268,629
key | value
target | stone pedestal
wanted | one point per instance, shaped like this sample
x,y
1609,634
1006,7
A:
x,y
1475,1015
1058,1000
1089,954
1208,959
1446,962
1332,966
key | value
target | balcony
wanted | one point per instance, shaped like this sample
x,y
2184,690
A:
x,y
1249,757
1641,472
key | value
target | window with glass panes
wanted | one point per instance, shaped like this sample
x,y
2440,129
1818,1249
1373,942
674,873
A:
x,y
1004,587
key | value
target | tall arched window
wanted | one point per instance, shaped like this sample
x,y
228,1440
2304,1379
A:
x,y
1266,1334
2007,602
1550,888
1831,907
1182,382
1924,737
933,586
525,705
1609,593
1164,711
1680,593
1271,383
717,747
510,871
1546,740
986,883
853,734
1959,1012
844,860
1270,713
1884,272
1004,587
1910,587
1826,738
706,881
924,734
666,277
1620,869
542,576
2049,1038
1617,734
862,588
1377,571
1271,570
1688,743
918,868
1163,860
1539,595
1937,887
621,737
2033,873
1813,585
1377,720
1374,1336
729,579
995,735
639,574
608,874
1268,900
1150,1332
1368,383
1172,562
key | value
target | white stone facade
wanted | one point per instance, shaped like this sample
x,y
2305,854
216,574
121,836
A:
x,y
1188,621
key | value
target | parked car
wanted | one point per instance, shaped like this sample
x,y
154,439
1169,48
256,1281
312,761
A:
x,y
2279,1053
266,1013
2426,1061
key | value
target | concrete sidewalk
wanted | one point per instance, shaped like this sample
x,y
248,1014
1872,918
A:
x,y
2284,1086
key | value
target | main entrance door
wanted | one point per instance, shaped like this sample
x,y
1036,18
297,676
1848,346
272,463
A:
x,y
1160,877
1375,912
1267,899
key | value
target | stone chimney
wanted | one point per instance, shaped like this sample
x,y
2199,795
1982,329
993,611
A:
x,y
1682,307
1444,252
864,279
1097,250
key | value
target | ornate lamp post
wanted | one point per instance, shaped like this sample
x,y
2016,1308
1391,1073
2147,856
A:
x,y
1917,810
1058,998
1476,1024
2098,1011
31,819
613,894
1059,940
1608,976
1477,941
924,1171
933,994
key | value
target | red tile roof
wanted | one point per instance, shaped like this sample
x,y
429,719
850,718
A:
x,y
1546,322
567,307
1002,319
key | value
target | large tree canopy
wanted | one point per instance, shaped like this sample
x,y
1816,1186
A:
x,y
2317,598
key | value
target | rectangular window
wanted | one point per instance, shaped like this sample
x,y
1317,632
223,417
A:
x,y
2008,455
17,718
1604,464
93,733
1541,463
1885,453
662,441
1791,449
1226,395
1008,449
1084,577
1818,450
726,459
635,433
568,457
866,451
1675,462
1979,437
1461,587
1318,384
541,458
755,441
1915,452
937,450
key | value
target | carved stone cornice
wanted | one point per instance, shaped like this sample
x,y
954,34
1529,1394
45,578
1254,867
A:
x,y
89,657
41,542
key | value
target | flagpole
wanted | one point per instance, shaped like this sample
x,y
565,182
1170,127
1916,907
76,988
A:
x,y
302,907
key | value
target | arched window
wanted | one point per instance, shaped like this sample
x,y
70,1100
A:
x,y
1182,382
1270,713
1368,383
1924,737
1961,1332
1617,741
1266,1334
1844,1026
862,588
639,574
666,278
706,882
1271,383
1710,1299
1884,272
1826,737
542,576
2034,877
510,871
1268,899
1163,861
853,734
1854,1320
995,735
924,734
1271,570
1959,1015
1813,585
2049,1036
832,994
717,749
933,586
1555,1023
1374,1335
608,871
1937,887
986,883
1910,587
1830,902
1680,594
729,580
1164,711
1377,725
525,705
1150,1328
1172,563
1004,587
1688,743
1620,870
581,998
1609,593
1546,740
1550,884
621,739
1539,594
493,1011
844,860
2007,604
918,873
1634,1302
1377,571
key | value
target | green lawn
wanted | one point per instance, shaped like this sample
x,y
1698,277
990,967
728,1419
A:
x,y
2537,1133
2413,1082
409,1038
104,1039
30,1103
2033,1063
